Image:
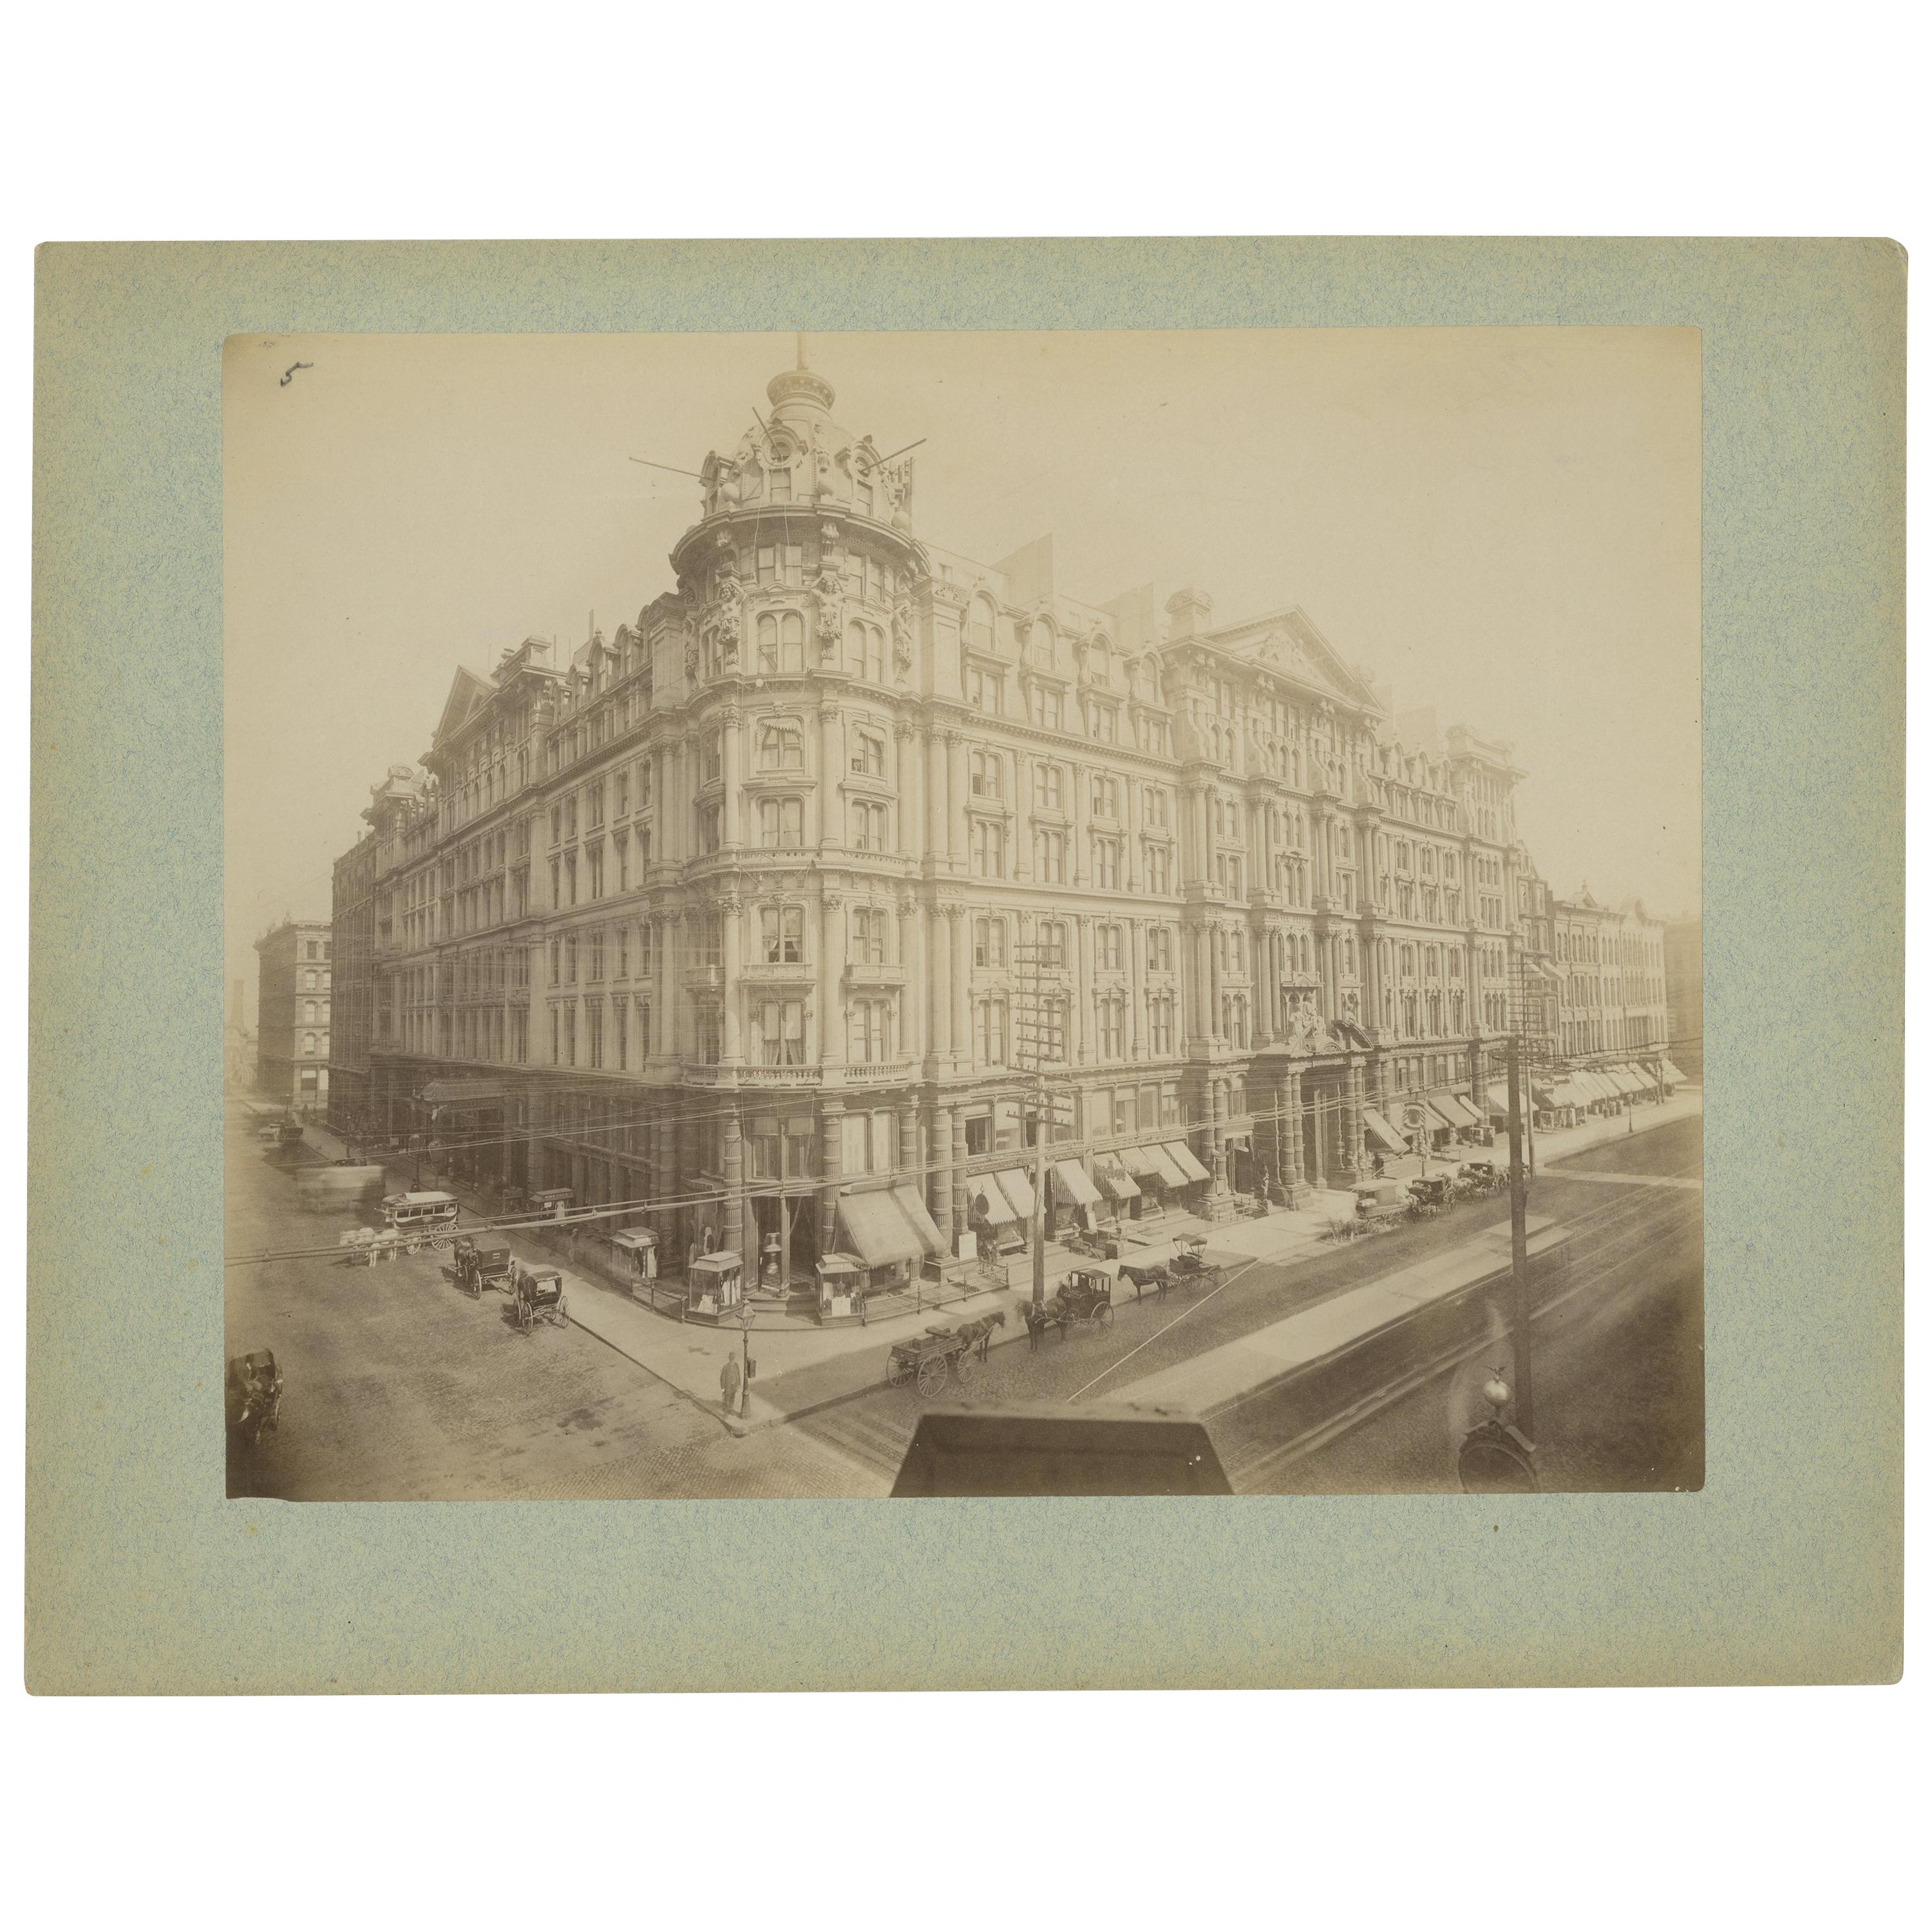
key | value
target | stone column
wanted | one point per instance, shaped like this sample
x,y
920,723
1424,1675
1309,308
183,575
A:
x,y
664,979
956,796
731,728
735,1206
1083,985
1292,1172
1217,1135
939,1181
962,993
912,1014
831,980
1352,1122
1136,990
1022,803
831,777
909,1141
938,984
1316,1137
1213,1029
733,1046
937,842
905,778
831,1168
959,1174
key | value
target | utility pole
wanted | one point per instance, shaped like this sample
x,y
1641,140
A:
x,y
1036,1037
1525,1412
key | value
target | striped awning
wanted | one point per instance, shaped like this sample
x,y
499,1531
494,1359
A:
x,y
1143,1163
1444,1117
1167,1168
985,1188
877,1231
1112,1176
1018,1188
1672,1074
905,1199
1072,1177
1182,1156
1463,1113
1392,1141
1567,1093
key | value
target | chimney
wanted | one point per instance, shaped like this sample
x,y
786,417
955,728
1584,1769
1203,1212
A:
x,y
1188,613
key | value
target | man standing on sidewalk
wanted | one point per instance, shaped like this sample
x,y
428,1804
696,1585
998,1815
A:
x,y
731,1383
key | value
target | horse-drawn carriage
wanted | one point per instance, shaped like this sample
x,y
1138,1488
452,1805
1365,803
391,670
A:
x,y
537,1295
943,1350
1086,1296
483,1260
254,1394
1477,1180
1434,1194
1189,1266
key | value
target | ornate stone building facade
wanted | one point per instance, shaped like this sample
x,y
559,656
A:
x,y
1612,964
754,909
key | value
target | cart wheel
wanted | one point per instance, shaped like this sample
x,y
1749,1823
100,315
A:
x,y
968,1368
896,1372
1103,1315
932,1375
563,1313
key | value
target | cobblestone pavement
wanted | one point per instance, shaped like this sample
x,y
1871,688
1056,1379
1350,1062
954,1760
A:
x,y
399,1386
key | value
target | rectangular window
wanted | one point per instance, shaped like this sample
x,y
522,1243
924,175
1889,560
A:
x,y
1047,787
1050,857
989,849
782,745
868,936
782,928
1107,864
781,823
986,689
869,827
781,1033
868,753
1047,708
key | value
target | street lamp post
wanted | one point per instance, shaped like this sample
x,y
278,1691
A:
x,y
745,1319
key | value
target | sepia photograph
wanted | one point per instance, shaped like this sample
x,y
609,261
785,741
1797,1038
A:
x,y
997,914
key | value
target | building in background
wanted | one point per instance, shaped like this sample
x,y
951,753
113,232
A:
x,y
1612,963
1683,992
752,916
237,1044
292,1014
354,940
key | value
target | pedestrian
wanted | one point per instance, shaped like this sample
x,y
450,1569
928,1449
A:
x,y
730,1381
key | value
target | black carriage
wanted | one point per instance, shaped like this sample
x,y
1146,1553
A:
x,y
1085,1296
943,1350
537,1295
1190,1266
1432,1194
254,1394
484,1261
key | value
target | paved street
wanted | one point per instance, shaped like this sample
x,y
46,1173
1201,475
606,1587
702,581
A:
x,y
400,1387
1618,1366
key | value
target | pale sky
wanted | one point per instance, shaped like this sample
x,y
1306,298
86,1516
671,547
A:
x,y
1502,524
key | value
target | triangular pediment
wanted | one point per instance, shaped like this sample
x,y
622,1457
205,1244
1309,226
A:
x,y
467,691
1287,644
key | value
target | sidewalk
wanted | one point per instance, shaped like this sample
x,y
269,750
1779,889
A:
x,y
1209,1381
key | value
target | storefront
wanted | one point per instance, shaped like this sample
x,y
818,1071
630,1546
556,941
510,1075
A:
x,y
1076,1200
875,1227
1195,1178
842,1281
992,1217
1121,1191
1379,1136
1160,1180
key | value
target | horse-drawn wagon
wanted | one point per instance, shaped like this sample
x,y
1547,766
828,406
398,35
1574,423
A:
x,y
943,1350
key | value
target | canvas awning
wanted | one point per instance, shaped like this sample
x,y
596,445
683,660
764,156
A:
x,y
1628,1084
1444,1118
877,1231
1567,1093
1672,1075
1592,1081
1464,1115
460,1092
1392,1142
905,1198
1167,1169
1499,1098
1182,1156
1017,1189
1115,1178
1143,1163
1072,1177
986,1190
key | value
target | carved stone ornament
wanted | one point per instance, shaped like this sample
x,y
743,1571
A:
x,y
902,634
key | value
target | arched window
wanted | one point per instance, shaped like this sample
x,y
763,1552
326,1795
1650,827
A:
x,y
782,745
980,634
987,775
